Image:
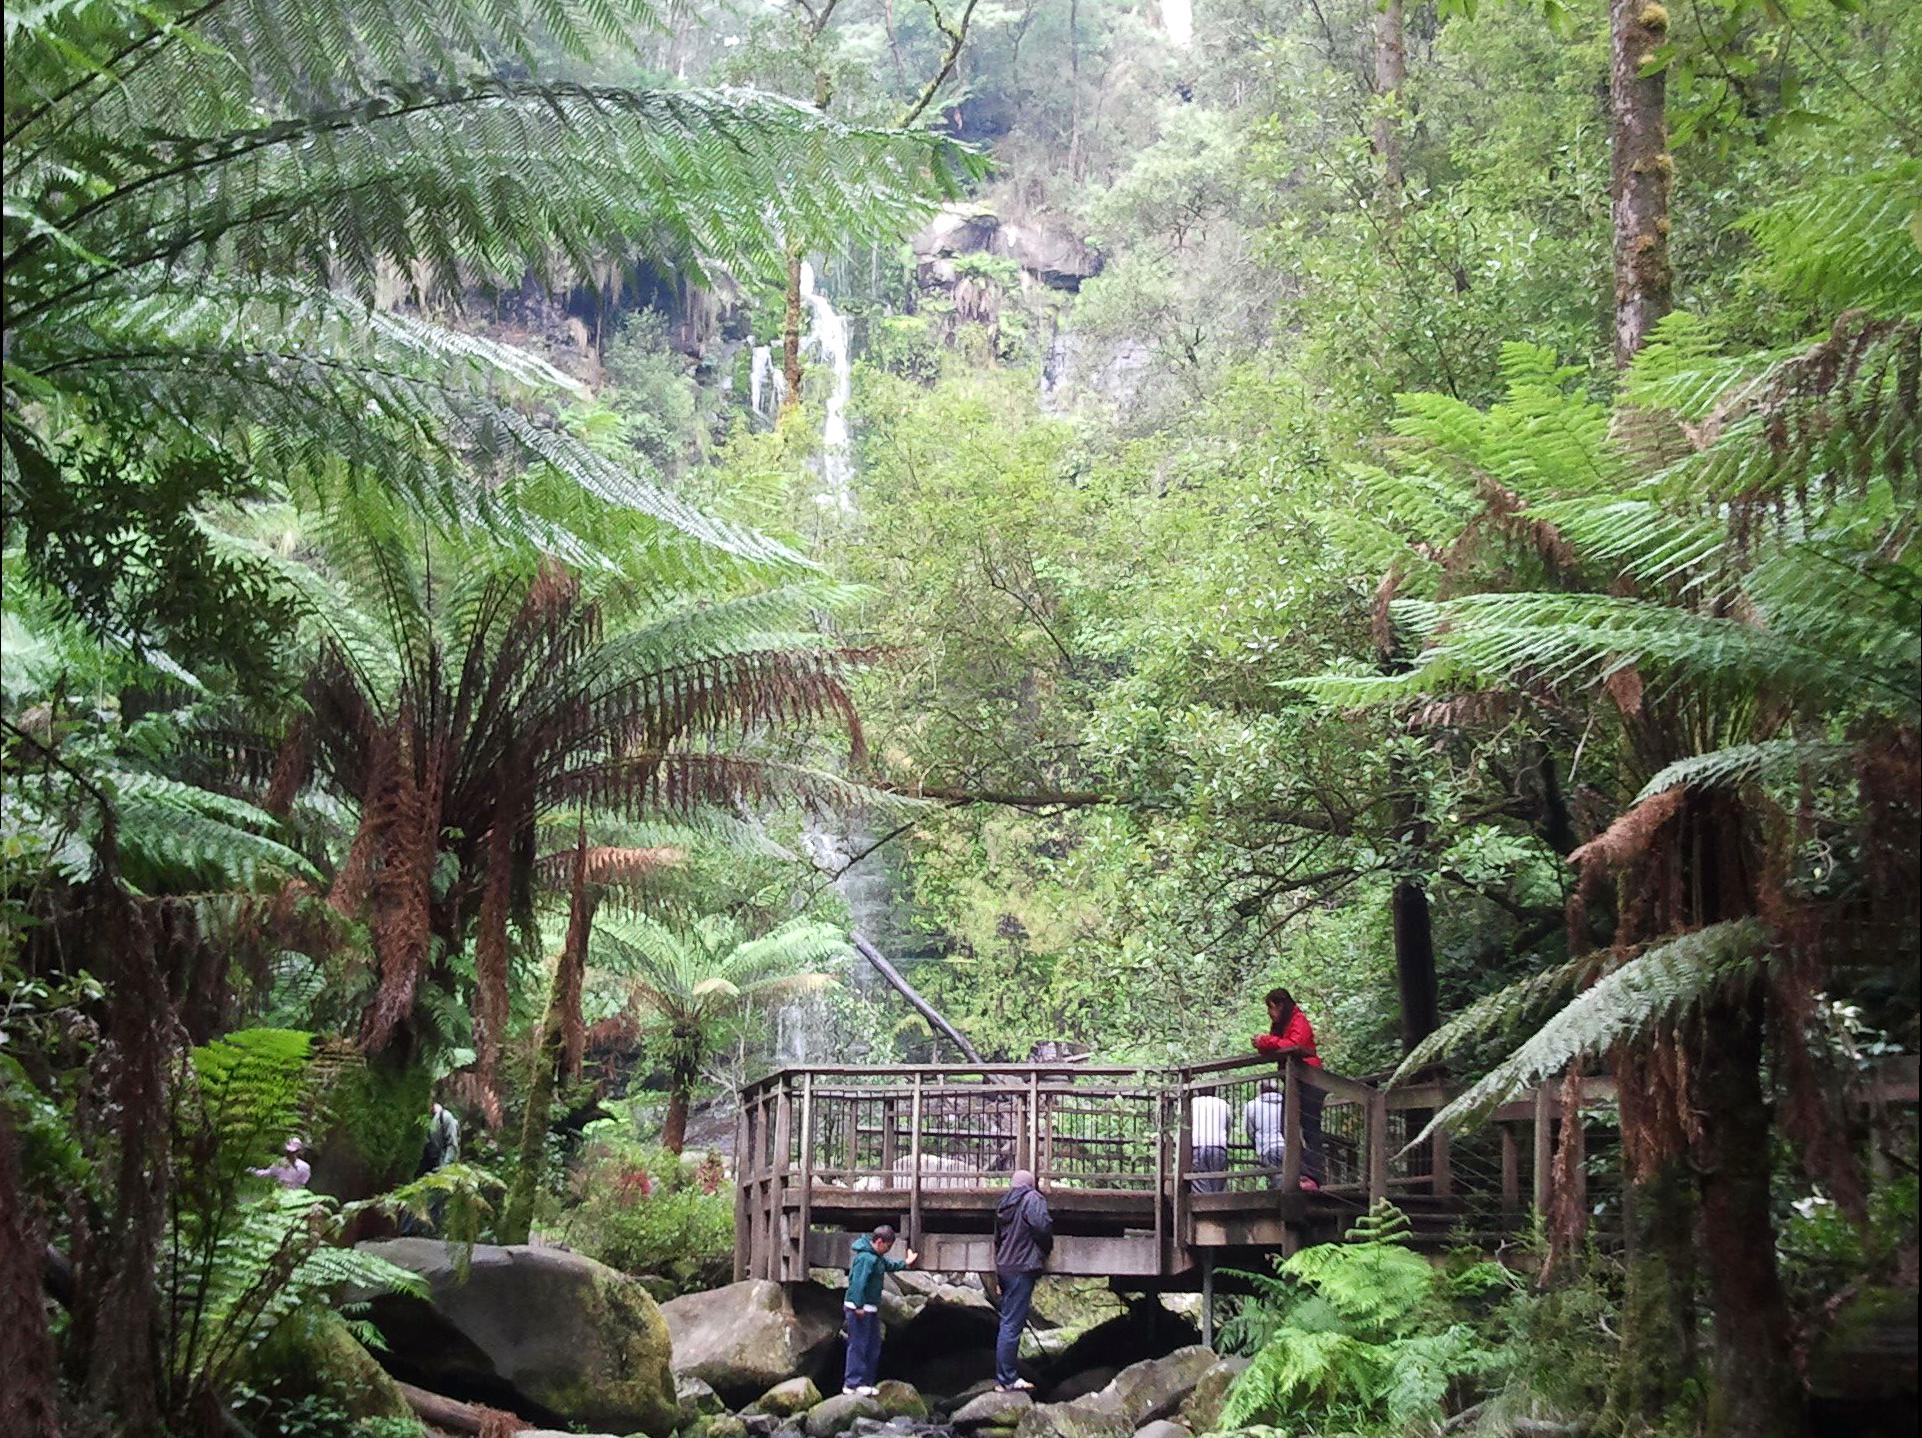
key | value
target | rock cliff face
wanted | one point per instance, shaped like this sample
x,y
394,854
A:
x,y
1044,249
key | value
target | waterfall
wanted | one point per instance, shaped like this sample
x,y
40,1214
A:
x,y
764,382
827,337
1178,20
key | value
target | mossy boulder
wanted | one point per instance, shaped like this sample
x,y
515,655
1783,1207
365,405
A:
x,y
993,1409
1200,1411
550,1334
834,1416
901,1400
785,1400
315,1354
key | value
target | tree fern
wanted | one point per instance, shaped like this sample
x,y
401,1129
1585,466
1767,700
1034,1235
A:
x,y
1654,989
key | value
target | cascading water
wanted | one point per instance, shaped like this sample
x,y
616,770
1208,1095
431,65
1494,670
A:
x,y
1178,20
827,337
763,384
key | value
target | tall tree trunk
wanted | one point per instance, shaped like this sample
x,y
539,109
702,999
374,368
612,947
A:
x,y
1391,68
1643,172
1756,1392
1415,963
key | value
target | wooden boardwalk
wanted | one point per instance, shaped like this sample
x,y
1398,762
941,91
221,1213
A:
x,y
824,1153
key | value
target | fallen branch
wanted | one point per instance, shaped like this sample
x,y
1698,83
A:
x,y
907,991
474,1419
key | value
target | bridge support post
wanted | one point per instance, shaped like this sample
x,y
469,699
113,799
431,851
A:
x,y
1207,1298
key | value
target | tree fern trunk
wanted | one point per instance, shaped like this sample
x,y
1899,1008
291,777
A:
x,y
1756,1392
1657,1356
674,1127
517,1217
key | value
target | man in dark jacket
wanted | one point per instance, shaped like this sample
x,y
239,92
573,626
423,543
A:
x,y
1023,1238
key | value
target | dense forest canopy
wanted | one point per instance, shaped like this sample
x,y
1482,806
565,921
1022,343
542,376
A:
x,y
531,526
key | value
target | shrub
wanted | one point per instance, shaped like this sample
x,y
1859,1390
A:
x,y
645,1211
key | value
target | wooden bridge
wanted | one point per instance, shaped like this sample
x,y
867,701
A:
x,y
824,1153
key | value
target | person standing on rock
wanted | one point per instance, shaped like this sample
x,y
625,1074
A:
x,y
862,1307
1023,1239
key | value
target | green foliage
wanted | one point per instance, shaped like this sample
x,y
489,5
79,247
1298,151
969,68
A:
x,y
1358,1335
648,1212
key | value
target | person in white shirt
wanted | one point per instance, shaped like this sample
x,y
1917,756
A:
x,y
1266,1118
290,1170
1208,1119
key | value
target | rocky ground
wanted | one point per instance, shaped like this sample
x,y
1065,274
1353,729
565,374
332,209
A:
x,y
535,1340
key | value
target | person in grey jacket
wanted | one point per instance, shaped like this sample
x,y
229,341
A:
x,y
1023,1239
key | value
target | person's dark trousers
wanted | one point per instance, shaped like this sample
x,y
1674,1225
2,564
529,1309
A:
x,y
864,1349
1017,1292
1312,1165
1210,1158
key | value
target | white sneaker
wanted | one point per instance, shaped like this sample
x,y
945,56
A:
x,y
867,1391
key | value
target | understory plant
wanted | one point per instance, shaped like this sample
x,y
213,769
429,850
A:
x,y
1362,1336
645,1211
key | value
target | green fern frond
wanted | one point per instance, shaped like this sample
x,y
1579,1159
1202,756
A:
x,y
1740,763
1654,988
1499,1012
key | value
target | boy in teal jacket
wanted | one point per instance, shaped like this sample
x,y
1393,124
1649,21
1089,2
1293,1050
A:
x,y
862,1306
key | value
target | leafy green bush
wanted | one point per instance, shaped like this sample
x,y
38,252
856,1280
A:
x,y
645,1211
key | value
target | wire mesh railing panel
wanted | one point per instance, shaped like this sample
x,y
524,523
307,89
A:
x,y
1237,1134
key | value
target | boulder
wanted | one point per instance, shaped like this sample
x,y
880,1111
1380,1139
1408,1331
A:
x,y
838,1414
901,1400
1075,1303
1146,1330
725,1425
1083,1418
695,1397
1080,1385
786,1400
1156,1388
1200,1411
992,1409
550,1334
745,1338
1164,1428
315,1354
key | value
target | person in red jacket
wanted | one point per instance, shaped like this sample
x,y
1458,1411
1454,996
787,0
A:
x,y
1291,1036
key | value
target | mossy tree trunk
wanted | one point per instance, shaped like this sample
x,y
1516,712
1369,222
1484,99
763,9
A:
x,y
1643,172
1657,1357
517,1215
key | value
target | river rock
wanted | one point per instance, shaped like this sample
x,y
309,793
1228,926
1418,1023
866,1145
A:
x,y
545,1332
1080,1385
786,1400
901,1400
1083,1418
993,1409
837,1414
1155,1388
1164,1428
1200,1411
695,1397
745,1338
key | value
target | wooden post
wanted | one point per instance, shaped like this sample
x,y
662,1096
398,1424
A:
x,y
1377,1147
1544,1148
890,1144
1034,1126
1159,1097
1511,1170
777,1186
1443,1179
914,1164
743,1158
1578,1146
1208,1298
1291,1129
806,1216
